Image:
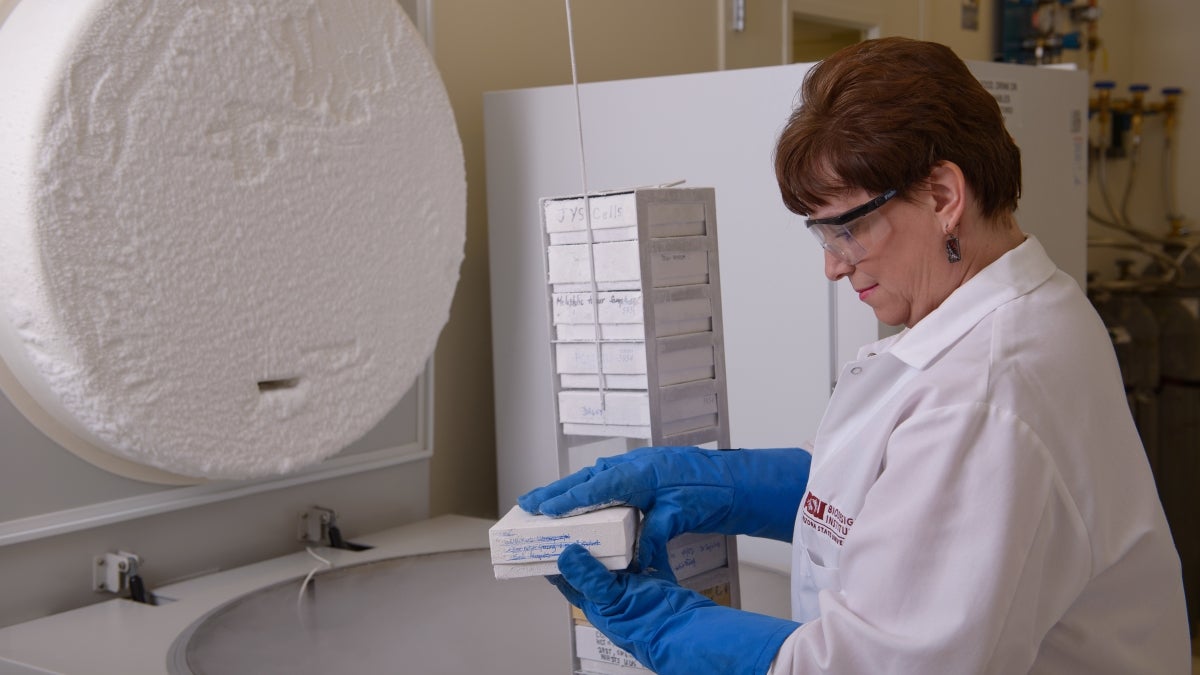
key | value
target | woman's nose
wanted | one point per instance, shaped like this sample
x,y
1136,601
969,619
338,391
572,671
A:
x,y
835,267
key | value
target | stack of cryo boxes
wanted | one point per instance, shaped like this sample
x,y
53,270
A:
x,y
638,347
635,301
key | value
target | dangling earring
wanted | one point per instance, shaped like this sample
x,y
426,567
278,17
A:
x,y
953,251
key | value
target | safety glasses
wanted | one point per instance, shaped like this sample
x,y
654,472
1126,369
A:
x,y
835,233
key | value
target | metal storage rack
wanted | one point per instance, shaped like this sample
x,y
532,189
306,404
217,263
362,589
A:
x,y
638,356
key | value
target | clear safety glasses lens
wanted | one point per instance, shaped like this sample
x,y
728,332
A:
x,y
834,233
837,240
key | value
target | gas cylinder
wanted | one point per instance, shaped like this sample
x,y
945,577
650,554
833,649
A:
x,y
1134,330
1177,310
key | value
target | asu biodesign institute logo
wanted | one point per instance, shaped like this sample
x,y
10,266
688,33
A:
x,y
826,518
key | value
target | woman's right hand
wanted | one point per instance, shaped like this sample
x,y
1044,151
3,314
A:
x,y
686,489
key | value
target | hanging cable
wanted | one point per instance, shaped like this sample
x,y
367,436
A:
x,y
311,574
587,213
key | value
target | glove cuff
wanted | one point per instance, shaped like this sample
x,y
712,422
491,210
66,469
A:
x,y
769,486
718,640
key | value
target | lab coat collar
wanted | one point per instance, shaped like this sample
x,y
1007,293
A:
x,y
1014,274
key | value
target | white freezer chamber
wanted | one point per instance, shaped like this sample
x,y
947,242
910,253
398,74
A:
x,y
786,326
423,600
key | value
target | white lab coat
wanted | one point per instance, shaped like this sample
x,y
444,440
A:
x,y
980,501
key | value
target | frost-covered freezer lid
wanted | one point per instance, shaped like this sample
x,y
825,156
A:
x,y
229,232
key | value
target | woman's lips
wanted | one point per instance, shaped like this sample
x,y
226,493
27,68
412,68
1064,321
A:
x,y
862,295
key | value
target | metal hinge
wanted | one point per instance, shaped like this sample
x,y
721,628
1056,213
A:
x,y
111,571
315,524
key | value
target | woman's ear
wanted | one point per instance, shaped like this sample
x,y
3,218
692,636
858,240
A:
x,y
949,190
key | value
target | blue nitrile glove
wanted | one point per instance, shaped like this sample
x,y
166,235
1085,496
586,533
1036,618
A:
x,y
686,489
667,627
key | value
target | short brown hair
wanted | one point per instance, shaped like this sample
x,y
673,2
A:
x,y
881,114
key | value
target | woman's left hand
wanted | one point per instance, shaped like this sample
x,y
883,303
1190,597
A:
x,y
667,627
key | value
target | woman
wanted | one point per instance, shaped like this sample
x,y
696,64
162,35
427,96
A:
x,y
979,500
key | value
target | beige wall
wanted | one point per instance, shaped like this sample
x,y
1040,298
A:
x,y
943,23
938,20
761,41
